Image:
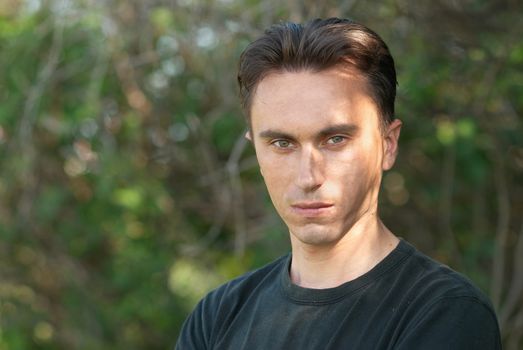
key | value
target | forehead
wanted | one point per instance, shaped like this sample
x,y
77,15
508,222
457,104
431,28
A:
x,y
309,99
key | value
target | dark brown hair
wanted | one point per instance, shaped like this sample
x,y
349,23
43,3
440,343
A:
x,y
319,45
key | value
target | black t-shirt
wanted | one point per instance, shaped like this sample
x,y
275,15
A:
x,y
407,301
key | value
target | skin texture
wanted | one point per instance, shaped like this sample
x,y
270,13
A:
x,y
322,154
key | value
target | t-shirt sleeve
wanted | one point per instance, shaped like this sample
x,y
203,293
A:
x,y
194,334
197,328
453,323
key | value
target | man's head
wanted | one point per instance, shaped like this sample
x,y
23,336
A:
x,y
323,133
318,46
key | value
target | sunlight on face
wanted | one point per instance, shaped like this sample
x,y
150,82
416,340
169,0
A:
x,y
320,150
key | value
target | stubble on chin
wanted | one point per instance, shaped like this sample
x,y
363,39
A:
x,y
314,235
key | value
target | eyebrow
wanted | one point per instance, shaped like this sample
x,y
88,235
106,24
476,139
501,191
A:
x,y
274,134
349,129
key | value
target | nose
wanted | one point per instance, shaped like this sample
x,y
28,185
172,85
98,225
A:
x,y
310,172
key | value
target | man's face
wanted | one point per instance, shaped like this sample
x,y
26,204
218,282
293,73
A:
x,y
320,150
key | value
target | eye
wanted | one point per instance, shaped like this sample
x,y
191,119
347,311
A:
x,y
335,139
282,144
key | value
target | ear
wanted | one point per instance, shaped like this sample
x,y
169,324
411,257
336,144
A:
x,y
391,137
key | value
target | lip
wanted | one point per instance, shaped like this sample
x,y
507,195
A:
x,y
311,209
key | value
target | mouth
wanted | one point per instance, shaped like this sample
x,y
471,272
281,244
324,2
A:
x,y
311,209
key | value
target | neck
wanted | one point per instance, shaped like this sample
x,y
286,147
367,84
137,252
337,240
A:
x,y
327,266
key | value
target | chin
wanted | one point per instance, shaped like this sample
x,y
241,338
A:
x,y
316,235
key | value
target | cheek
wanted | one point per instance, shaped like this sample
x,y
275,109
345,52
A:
x,y
277,189
274,180
272,173
367,156
356,170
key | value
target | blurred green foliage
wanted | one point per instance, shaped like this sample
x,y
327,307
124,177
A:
x,y
127,190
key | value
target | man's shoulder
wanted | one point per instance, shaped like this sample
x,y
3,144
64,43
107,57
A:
x,y
243,286
443,307
218,308
435,280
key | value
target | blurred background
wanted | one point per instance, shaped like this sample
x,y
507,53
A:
x,y
127,190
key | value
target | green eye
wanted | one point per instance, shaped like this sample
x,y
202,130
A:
x,y
335,139
282,143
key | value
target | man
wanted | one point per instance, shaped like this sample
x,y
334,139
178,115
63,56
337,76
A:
x,y
319,99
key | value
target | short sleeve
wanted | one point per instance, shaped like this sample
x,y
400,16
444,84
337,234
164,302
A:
x,y
192,335
453,323
197,329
